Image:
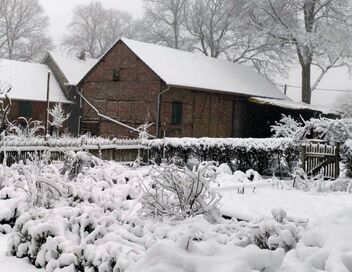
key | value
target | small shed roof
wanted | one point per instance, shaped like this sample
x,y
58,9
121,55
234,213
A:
x,y
29,81
72,68
292,105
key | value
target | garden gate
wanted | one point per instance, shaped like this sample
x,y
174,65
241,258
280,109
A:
x,y
318,156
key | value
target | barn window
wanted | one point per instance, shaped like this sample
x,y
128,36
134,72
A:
x,y
26,109
115,75
176,113
90,127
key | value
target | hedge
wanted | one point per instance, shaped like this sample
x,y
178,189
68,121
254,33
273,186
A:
x,y
267,156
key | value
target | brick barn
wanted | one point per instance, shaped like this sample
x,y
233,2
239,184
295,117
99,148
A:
x,y
182,94
29,89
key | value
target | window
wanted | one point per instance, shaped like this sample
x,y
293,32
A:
x,y
115,75
176,113
25,109
90,127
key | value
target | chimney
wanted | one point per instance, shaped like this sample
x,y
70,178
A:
x,y
82,55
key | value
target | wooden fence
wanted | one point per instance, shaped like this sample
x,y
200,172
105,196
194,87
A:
x,y
319,157
121,153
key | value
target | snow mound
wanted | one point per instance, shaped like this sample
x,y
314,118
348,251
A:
x,y
327,246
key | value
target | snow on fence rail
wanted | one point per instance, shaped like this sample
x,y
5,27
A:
x,y
18,148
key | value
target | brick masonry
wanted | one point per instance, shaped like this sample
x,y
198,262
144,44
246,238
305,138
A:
x,y
133,100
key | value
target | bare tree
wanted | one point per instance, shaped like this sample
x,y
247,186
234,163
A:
x,y
94,29
165,23
317,31
211,22
215,28
23,30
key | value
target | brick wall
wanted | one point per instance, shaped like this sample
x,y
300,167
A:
x,y
204,114
38,111
133,100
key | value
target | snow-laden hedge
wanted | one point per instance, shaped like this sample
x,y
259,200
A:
x,y
346,154
267,156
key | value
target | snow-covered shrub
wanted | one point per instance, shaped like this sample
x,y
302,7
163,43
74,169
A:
x,y
224,168
47,236
331,130
326,246
208,169
346,154
261,155
75,162
58,117
316,183
25,128
287,127
275,233
180,192
192,162
41,182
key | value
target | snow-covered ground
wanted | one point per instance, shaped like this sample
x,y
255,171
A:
x,y
11,263
297,204
98,223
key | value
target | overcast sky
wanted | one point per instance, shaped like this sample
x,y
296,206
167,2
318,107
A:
x,y
60,12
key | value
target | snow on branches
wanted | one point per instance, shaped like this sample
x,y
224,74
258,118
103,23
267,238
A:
x,y
287,127
180,192
58,116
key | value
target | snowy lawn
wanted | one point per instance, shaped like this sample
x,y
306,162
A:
x,y
96,222
298,204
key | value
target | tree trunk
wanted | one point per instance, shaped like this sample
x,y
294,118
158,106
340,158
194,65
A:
x,y
306,84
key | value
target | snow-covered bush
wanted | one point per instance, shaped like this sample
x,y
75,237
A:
x,y
180,192
41,182
58,117
224,168
346,154
326,246
261,155
75,162
275,233
331,130
287,127
24,128
317,183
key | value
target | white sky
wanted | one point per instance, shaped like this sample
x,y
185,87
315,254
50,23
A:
x,y
60,12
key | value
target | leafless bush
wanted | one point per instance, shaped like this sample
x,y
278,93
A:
x,y
75,163
42,182
180,192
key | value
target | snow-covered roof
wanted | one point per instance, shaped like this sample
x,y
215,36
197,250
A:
x,y
195,71
293,105
73,68
29,81
191,70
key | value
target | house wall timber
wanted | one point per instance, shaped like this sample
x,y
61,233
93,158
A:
x,y
133,100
